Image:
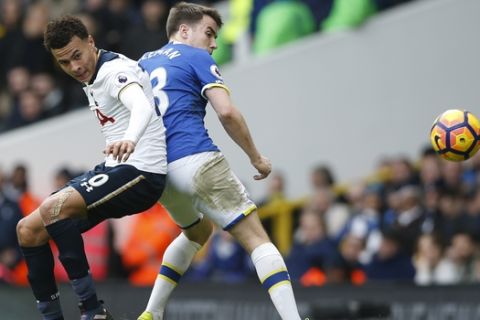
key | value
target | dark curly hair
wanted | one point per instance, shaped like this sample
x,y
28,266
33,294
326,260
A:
x,y
189,13
60,32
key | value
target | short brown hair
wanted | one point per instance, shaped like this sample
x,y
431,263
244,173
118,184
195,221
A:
x,y
189,13
60,32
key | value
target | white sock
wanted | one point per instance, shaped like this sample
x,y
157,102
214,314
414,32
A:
x,y
273,275
176,260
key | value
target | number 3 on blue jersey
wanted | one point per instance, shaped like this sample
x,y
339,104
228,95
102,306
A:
x,y
158,78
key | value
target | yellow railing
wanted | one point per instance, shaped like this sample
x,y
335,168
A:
x,y
280,210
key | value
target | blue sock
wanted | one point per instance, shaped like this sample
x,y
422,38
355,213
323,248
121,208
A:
x,y
50,310
85,290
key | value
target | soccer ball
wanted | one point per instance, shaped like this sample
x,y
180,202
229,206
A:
x,y
455,135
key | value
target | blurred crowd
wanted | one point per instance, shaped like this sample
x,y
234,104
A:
x,y
32,88
414,221
410,221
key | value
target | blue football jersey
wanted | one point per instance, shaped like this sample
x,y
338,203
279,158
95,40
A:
x,y
180,74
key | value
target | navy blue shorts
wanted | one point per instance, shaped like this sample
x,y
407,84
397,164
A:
x,y
114,192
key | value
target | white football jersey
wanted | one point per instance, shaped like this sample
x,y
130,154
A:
x,y
115,72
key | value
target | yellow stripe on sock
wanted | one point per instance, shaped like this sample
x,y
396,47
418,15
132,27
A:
x,y
281,283
166,279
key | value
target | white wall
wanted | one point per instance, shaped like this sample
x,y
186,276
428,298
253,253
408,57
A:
x,y
343,99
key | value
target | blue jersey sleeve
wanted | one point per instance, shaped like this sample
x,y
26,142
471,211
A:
x,y
207,72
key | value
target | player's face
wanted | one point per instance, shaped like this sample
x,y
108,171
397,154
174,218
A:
x,y
203,34
78,58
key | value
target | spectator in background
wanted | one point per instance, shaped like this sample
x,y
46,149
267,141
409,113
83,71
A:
x,y
431,183
29,110
408,220
431,266
18,80
150,33
433,216
322,177
116,19
275,194
403,173
473,212
275,188
463,253
10,255
279,214
430,172
453,216
60,8
365,222
17,188
391,262
452,175
345,265
30,43
311,250
334,213
11,13
44,86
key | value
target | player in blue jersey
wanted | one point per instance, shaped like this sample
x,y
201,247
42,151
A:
x,y
130,180
200,182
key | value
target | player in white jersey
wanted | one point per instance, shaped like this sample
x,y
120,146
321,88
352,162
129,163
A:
x,y
200,182
131,179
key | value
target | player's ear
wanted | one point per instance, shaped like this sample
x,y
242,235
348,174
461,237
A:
x,y
91,41
183,30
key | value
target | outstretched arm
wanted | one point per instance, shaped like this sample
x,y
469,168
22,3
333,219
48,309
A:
x,y
234,123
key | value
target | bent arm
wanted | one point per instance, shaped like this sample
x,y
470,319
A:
x,y
141,111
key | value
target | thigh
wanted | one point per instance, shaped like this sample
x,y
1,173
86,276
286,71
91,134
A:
x,y
211,188
220,194
179,204
114,192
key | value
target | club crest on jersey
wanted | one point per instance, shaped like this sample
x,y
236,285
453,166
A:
x,y
121,79
104,119
214,70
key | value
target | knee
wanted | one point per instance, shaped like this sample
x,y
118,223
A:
x,y
200,233
26,233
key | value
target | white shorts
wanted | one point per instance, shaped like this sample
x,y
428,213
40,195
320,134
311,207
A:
x,y
204,184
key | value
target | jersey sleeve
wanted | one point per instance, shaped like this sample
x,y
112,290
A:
x,y
207,72
119,77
